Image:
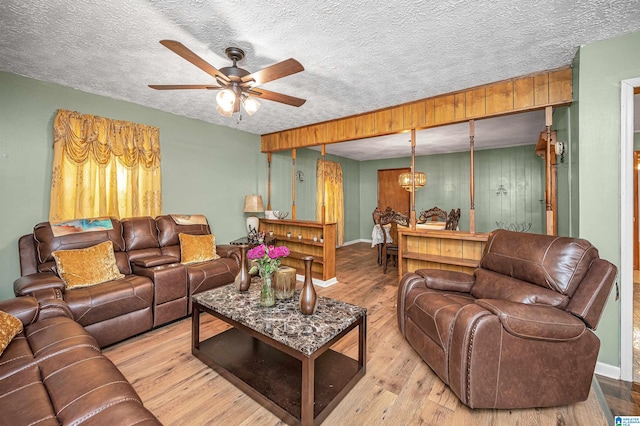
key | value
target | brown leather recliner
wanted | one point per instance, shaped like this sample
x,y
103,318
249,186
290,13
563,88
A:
x,y
54,373
200,276
111,311
518,333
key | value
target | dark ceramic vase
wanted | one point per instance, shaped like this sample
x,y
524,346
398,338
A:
x,y
308,296
243,279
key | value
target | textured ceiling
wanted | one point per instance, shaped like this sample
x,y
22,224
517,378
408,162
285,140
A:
x,y
357,56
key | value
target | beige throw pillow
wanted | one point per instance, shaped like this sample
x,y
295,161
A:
x,y
88,266
197,248
10,327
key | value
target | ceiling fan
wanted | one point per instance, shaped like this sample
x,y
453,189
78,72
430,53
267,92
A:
x,y
237,86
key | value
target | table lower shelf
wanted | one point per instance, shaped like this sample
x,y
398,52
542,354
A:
x,y
274,378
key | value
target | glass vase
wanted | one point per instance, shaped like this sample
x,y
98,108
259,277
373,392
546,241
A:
x,y
267,297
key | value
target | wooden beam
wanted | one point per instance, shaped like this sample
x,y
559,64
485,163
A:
x,y
548,118
268,181
323,153
293,184
413,180
472,191
527,93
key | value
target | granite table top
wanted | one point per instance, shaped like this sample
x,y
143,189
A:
x,y
283,322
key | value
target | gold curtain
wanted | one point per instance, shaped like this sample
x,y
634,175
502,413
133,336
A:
x,y
333,196
104,167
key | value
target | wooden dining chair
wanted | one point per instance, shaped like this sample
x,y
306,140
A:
x,y
393,218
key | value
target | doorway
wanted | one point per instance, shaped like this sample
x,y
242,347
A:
x,y
390,193
626,273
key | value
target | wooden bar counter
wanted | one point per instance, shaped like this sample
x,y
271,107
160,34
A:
x,y
451,250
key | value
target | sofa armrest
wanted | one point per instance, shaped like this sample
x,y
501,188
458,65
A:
x,y
52,304
408,282
24,308
538,322
27,284
228,250
151,261
438,279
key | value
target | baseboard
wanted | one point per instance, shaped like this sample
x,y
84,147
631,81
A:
x,y
348,243
318,282
608,370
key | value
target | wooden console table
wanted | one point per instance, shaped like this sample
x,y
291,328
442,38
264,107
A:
x,y
323,252
452,250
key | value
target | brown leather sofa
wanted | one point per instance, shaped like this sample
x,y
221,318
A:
x,y
54,373
517,333
156,287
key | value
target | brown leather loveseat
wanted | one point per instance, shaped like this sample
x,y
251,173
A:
x,y
517,333
154,288
54,373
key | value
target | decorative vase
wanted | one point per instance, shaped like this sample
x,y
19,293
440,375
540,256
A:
x,y
266,292
285,283
308,296
243,279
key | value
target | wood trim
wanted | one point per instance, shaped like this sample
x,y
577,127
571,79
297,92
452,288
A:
x,y
636,252
532,92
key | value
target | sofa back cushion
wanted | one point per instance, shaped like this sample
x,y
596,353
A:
x,y
46,243
491,285
140,237
555,263
169,231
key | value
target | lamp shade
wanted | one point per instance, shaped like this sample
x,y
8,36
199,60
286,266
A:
x,y
253,204
405,180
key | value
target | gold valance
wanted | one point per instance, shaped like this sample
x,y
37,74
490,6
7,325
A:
x,y
84,135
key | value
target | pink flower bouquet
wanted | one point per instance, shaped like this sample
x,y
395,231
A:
x,y
267,258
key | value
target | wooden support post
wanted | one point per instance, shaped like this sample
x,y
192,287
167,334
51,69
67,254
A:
x,y
548,118
293,184
413,180
472,190
324,153
269,180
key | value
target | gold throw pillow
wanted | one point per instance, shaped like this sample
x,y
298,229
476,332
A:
x,y
197,248
88,266
10,327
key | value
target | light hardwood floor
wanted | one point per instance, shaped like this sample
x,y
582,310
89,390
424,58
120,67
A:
x,y
398,389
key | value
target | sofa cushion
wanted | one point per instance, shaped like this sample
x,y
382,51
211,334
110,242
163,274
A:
x,y
10,327
88,266
197,248
491,285
555,263
24,398
46,243
110,300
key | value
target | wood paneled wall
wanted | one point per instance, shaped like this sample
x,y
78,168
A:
x,y
551,88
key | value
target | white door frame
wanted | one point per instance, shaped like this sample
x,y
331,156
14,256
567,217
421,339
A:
x,y
626,228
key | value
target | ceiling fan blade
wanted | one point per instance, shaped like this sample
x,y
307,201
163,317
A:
x,y
181,50
274,72
183,86
276,97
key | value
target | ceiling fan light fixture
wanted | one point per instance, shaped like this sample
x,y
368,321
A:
x,y
250,104
224,112
226,99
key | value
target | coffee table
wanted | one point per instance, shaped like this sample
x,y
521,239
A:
x,y
280,357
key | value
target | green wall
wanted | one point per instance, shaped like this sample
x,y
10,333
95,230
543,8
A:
x,y
306,161
206,168
518,169
596,110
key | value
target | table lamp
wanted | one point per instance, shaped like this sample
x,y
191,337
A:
x,y
253,204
